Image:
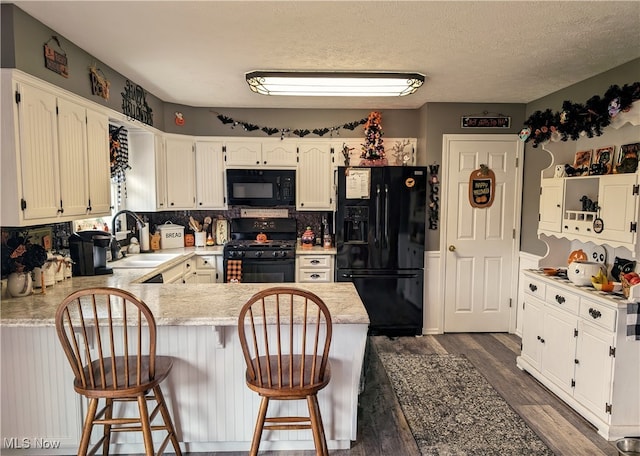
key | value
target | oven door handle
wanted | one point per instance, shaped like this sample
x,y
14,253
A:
x,y
386,216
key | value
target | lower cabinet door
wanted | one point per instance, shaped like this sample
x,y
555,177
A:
x,y
559,347
532,331
594,368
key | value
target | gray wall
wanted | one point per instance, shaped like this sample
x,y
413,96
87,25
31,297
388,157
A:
x,y
396,123
437,119
536,159
24,37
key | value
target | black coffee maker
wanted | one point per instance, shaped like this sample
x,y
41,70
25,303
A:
x,y
89,252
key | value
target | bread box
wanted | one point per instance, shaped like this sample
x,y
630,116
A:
x,y
171,235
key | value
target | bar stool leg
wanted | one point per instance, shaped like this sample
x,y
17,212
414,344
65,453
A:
x,y
166,417
257,433
108,414
146,426
319,438
88,425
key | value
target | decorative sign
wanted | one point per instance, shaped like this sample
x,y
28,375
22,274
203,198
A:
x,y
485,122
134,103
598,225
54,60
482,186
99,83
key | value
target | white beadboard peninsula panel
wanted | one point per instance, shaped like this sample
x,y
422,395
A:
x,y
46,410
212,407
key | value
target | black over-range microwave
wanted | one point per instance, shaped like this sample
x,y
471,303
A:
x,y
266,187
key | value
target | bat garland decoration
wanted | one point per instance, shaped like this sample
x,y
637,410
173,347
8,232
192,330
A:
x,y
226,120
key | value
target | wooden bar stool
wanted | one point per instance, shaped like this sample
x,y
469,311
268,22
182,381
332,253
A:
x,y
285,334
109,337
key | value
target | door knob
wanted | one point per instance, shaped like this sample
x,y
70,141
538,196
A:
x,y
452,248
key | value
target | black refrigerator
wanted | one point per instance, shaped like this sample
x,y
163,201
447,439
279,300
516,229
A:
x,y
380,241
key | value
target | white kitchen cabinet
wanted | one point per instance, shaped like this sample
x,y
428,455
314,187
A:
x,y
593,368
98,162
72,158
242,153
180,175
315,267
551,198
53,153
279,153
574,342
272,153
314,177
210,178
617,196
207,269
146,178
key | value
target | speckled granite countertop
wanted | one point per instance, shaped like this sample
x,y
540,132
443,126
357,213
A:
x,y
178,304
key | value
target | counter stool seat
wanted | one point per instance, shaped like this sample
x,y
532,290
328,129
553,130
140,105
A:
x,y
285,334
109,338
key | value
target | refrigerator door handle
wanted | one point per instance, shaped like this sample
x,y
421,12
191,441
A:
x,y
379,276
377,236
386,215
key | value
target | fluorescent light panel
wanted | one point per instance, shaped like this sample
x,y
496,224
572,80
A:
x,y
335,84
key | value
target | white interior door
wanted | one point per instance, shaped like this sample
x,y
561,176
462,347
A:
x,y
479,245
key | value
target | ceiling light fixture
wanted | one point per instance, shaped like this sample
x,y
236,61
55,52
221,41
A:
x,y
334,84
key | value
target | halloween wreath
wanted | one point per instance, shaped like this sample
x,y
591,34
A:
x,y
578,119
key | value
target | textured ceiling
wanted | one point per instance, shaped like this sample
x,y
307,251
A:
x,y
196,53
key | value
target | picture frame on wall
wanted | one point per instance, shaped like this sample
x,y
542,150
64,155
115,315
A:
x,y
582,162
627,159
602,161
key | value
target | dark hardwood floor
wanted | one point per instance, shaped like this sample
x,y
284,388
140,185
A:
x,y
382,429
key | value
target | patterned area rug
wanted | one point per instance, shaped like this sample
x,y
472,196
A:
x,y
453,410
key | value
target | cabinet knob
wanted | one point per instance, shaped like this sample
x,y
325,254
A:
x,y
560,299
315,276
452,248
595,314
576,361
542,340
532,287
315,261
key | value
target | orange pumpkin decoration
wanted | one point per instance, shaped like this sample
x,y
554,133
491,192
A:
x,y
576,256
261,237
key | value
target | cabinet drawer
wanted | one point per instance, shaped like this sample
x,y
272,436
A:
x,y
599,314
315,261
534,287
562,299
307,275
205,262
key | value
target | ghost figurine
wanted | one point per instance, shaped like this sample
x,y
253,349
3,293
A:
x,y
614,107
560,171
524,134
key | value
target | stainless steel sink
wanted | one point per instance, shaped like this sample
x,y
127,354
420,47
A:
x,y
143,260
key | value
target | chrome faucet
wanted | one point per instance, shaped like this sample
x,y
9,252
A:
x,y
135,216
116,254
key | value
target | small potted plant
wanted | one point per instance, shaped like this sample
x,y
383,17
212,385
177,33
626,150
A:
x,y
19,258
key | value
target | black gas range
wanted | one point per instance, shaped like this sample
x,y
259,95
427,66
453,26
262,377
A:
x,y
261,250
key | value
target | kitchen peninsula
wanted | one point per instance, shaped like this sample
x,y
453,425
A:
x,y
212,407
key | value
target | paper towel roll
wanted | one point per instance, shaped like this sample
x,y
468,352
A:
x,y
144,238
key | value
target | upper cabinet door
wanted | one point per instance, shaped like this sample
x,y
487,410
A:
x,y
551,200
279,153
618,202
209,175
38,154
243,153
180,173
99,170
72,137
314,186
